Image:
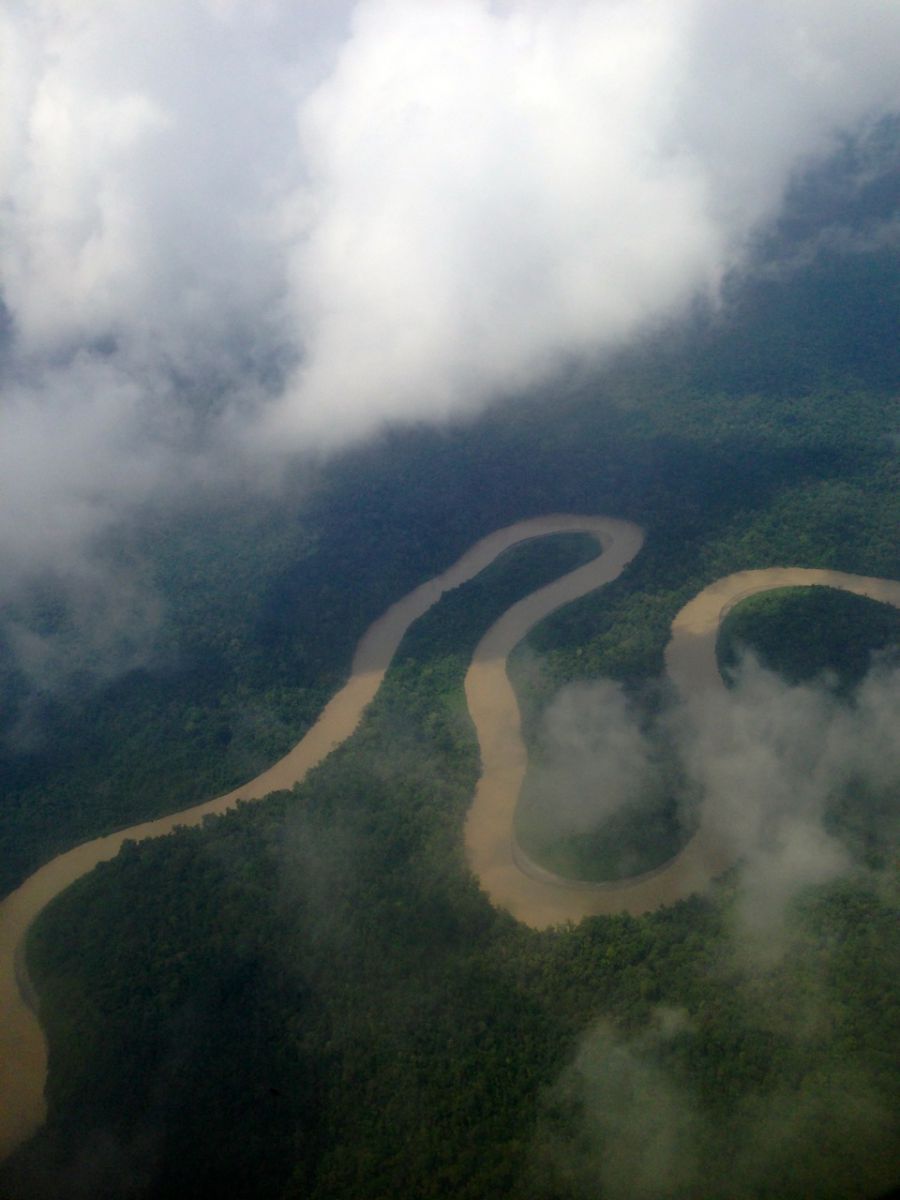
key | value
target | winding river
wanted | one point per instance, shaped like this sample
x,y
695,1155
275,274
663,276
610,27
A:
x,y
511,881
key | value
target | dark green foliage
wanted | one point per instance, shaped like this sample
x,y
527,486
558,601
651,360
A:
x,y
803,633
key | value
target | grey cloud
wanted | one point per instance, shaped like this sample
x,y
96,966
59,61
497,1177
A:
x,y
594,759
623,1121
628,1128
770,764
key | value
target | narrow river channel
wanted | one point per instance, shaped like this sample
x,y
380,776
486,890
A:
x,y
534,896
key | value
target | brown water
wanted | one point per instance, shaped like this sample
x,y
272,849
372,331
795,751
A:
x,y
511,881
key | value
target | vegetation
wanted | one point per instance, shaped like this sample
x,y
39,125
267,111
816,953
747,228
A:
x,y
808,633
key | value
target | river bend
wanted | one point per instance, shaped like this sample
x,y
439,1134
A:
x,y
533,895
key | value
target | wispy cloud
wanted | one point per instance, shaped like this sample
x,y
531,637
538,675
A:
x,y
628,1116
770,764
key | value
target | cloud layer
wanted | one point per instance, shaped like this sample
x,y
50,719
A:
x,y
233,228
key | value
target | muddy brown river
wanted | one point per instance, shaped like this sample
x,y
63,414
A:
x,y
533,895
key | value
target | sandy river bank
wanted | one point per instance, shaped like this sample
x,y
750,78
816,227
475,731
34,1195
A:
x,y
535,897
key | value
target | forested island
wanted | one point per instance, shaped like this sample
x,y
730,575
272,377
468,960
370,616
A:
x,y
311,996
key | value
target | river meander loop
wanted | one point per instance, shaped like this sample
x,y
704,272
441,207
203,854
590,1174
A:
x,y
534,896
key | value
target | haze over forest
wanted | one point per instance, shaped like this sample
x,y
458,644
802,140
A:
x,y
299,301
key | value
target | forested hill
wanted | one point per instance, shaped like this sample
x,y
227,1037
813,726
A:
x,y
311,996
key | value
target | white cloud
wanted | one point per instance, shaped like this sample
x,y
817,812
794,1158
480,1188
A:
x,y
418,204
312,219
491,188
771,762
